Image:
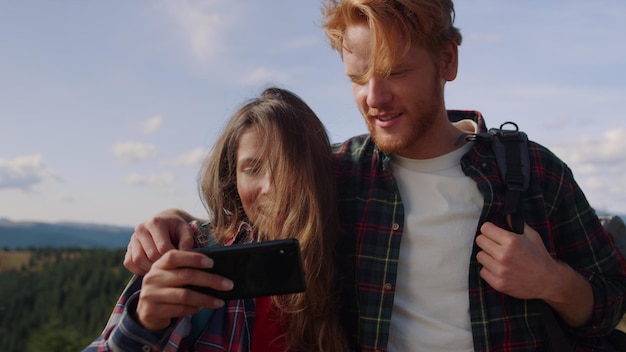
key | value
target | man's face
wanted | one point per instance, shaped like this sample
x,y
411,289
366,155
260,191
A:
x,y
401,110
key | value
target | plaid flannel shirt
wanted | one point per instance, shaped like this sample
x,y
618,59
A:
x,y
228,328
372,216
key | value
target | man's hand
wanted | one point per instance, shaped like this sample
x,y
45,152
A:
x,y
521,267
163,294
152,239
516,265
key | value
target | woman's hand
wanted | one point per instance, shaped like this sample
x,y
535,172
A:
x,y
153,238
164,295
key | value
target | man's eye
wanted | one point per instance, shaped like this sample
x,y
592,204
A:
x,y
398,73
357,79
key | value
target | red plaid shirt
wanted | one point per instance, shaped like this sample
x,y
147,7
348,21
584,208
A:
x,y
228,328
372,216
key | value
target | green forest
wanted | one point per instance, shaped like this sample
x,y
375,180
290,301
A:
x,y
59,300
54,300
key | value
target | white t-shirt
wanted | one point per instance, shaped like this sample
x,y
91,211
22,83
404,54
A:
x,y
431,304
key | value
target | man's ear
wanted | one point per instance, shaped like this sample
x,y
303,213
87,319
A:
x,y
449,60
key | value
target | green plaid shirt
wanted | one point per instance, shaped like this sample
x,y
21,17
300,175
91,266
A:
x,y
372,216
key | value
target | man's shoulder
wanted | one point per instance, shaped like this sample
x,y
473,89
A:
x,y
355,156
356,146
539,154
542,161
473,115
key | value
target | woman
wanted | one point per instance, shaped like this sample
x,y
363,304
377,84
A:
x,y
269,176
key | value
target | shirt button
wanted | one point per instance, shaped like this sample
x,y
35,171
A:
x,y
396,226
387,287
146,348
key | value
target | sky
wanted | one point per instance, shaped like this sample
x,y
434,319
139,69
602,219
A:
x,y
107,108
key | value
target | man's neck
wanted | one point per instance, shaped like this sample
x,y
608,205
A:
x,y
441,140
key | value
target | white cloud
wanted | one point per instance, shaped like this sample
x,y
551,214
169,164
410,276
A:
x,y
200,22
65,198
130,152
608,149
598,164
201,30
151,125
152,180
192,158
24,172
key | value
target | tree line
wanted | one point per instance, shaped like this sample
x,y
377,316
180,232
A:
x,y
57,299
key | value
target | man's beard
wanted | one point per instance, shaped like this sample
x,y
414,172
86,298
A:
x,y
417,129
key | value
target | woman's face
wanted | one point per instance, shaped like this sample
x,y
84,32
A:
x,y
254,179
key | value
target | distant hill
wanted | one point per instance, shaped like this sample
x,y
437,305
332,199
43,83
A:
x,y
603,213
22,235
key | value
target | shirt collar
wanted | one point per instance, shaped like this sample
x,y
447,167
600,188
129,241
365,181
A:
x,y
453,116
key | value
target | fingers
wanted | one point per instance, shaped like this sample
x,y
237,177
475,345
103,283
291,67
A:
x,y
164,294
495,241
156,308
500,249
135,260
513,264
155,237
184,236
495,233
183,259
141,251
180,268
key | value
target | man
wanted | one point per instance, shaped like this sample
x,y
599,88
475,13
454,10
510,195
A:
x,y
430,262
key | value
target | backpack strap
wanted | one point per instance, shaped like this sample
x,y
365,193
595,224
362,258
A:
x,y
510,147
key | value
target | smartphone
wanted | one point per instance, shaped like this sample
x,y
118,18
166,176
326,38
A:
x,y
257,269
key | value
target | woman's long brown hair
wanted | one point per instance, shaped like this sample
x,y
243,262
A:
x,y
299,152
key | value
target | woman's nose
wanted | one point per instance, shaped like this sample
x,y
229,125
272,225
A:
x,y
267,184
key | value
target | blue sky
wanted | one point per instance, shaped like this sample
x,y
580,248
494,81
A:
x,y
107,107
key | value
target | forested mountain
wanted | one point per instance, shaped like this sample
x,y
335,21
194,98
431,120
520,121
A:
x,y
59,299
24,235
54,300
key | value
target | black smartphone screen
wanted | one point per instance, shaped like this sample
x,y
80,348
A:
x,y
258,269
